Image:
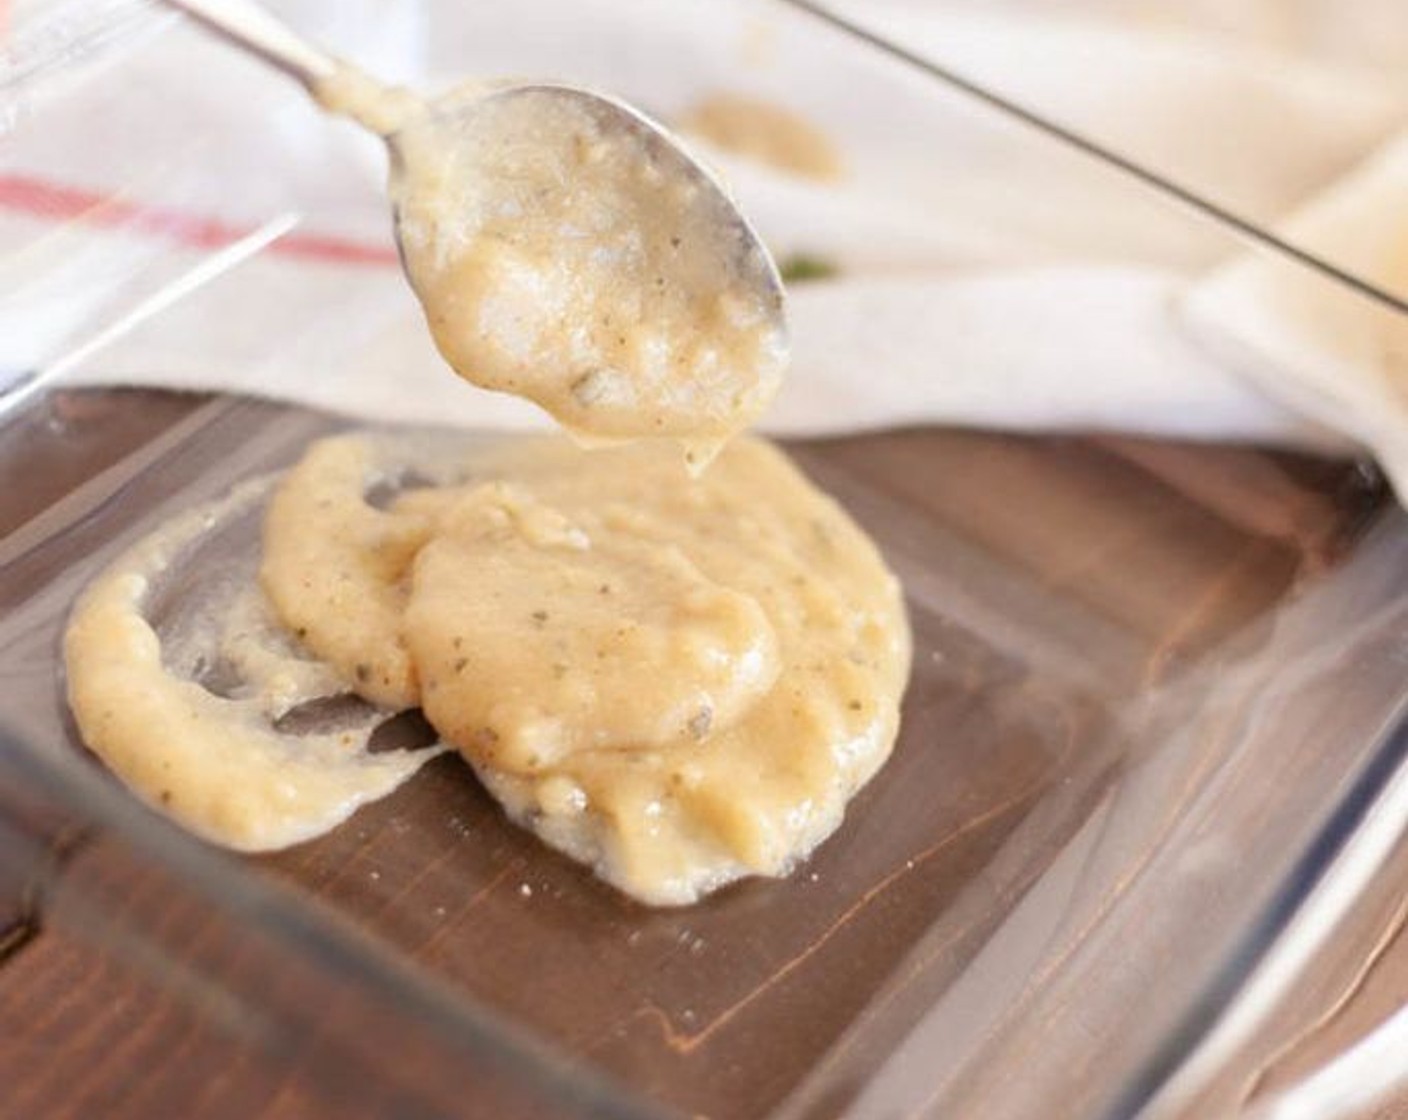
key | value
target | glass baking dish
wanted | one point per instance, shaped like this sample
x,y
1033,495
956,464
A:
x,y
1156,683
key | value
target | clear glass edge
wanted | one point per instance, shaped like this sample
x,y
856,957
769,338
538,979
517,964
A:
x,y
460,1020
1312,872
243,894
1251,232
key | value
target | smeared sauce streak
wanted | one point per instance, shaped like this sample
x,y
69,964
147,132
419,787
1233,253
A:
x,y
217,764
766,132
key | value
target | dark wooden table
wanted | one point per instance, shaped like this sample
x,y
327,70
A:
x,y
1160,551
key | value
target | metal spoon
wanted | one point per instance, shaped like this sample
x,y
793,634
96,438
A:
x,y
618,388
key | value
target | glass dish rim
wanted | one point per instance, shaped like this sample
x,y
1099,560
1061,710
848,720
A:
x,y
476,1025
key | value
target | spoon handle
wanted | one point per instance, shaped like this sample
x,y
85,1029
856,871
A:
x,y
248,25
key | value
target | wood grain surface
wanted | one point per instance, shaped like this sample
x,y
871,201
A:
x,y
1048,580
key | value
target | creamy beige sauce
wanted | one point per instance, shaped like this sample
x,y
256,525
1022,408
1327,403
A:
x,y
563,252
570,261
218,764
337,569
765,132
350,92
674,681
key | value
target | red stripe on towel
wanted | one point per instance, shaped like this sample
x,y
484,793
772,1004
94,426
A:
x,y
43,199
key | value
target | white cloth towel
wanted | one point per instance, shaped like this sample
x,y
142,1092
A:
x,y
985,275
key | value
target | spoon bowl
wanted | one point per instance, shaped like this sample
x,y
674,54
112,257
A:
x,y
564,246
566,249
